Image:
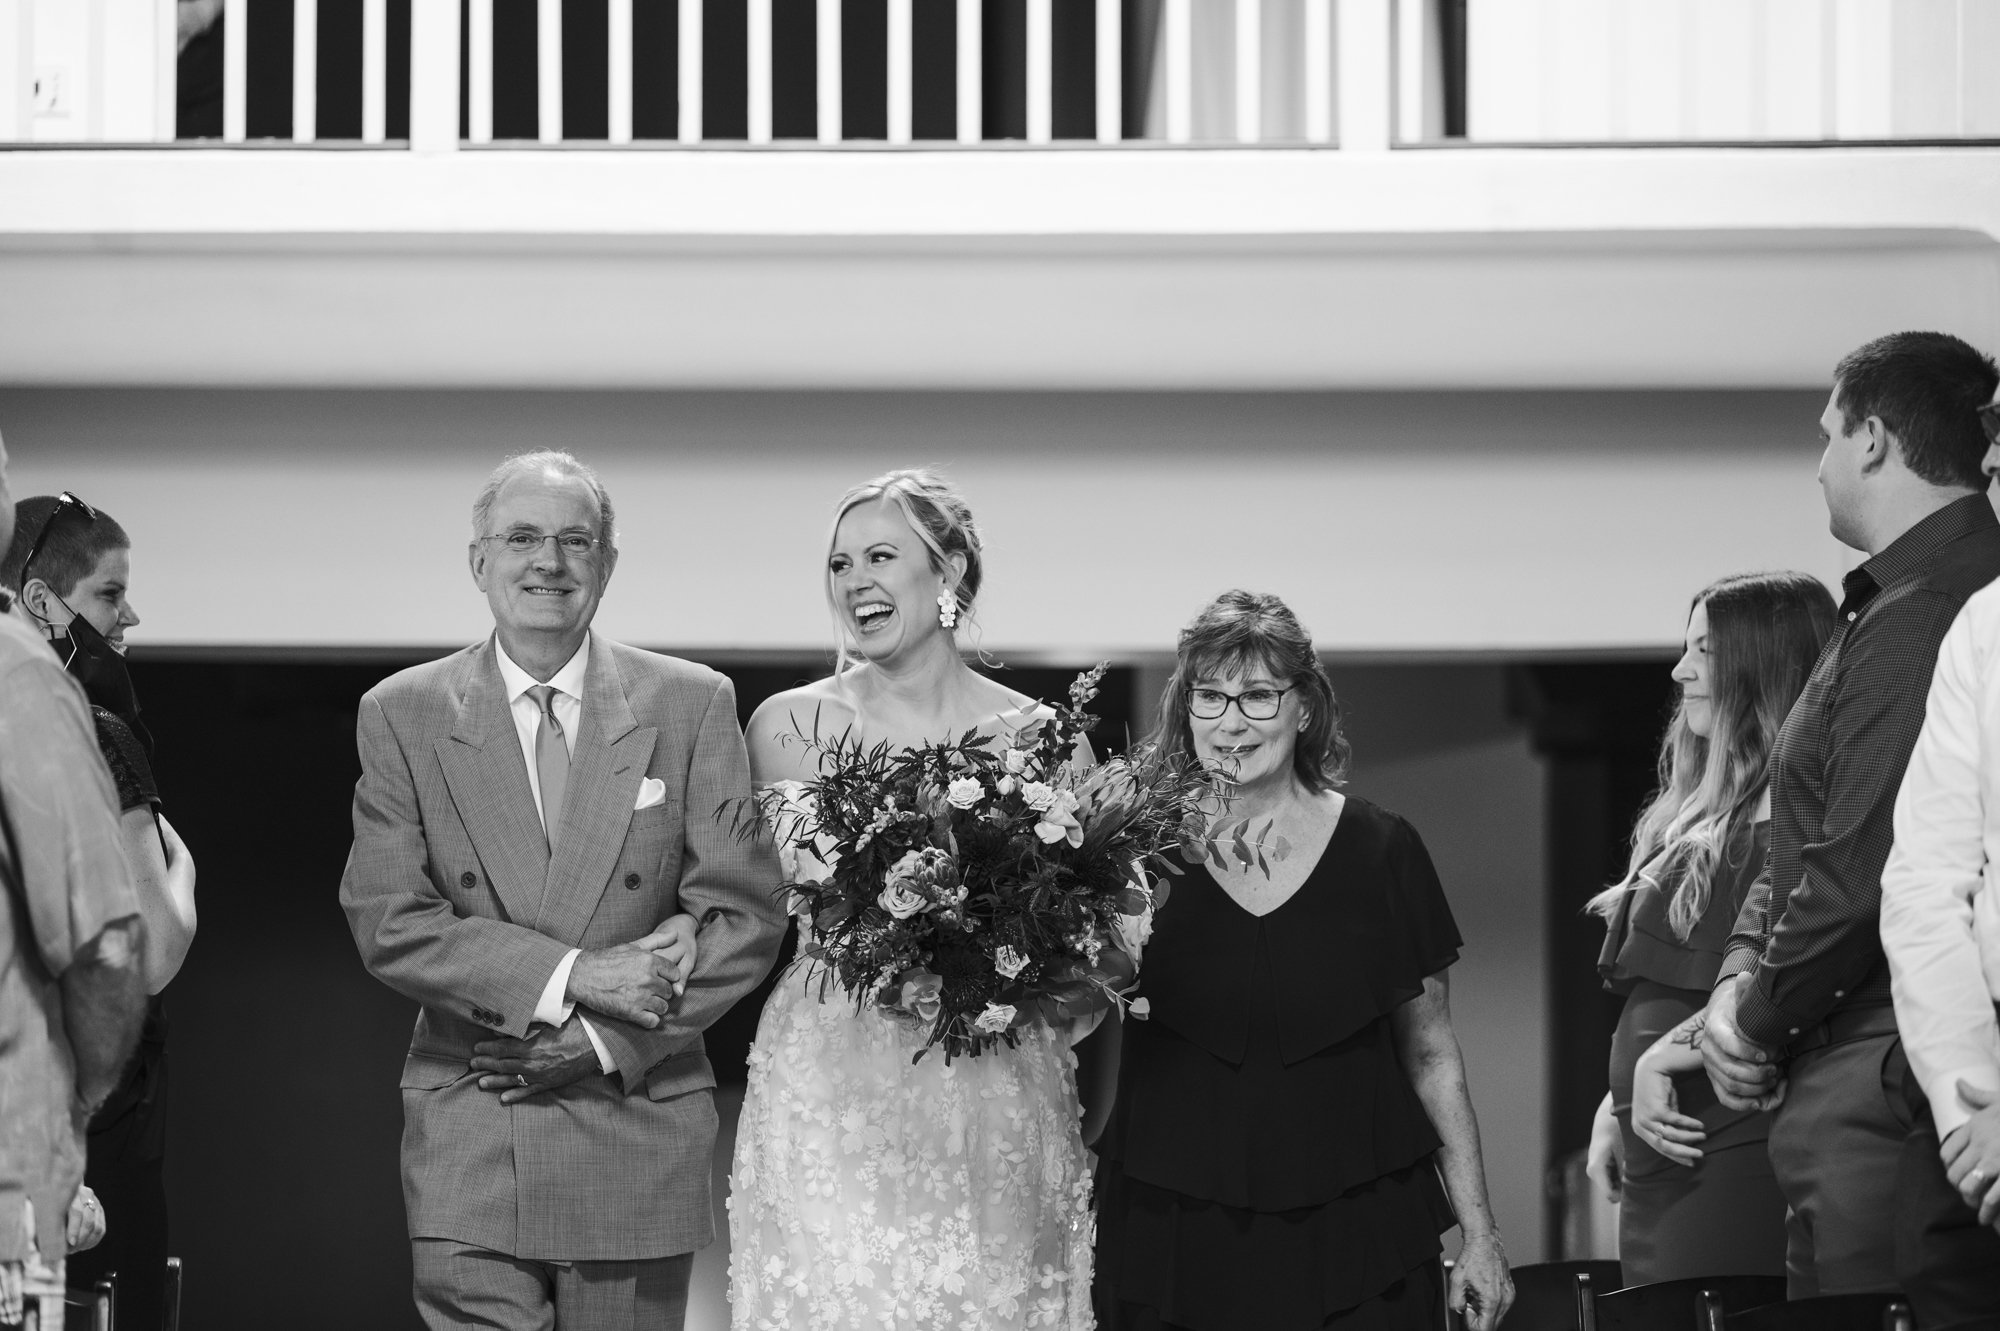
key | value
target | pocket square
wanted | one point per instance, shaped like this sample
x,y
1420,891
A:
x,y
652,792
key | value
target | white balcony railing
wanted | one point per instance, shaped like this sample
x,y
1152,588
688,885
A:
x,y
1365,74
1254,71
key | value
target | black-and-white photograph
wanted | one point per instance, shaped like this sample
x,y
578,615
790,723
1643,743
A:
x,y
997,665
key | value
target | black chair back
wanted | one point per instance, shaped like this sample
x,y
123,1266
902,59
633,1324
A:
x,y
1829,1312
1679,1305
1546,1298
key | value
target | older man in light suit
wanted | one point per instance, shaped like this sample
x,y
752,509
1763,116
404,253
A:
x,y
530,809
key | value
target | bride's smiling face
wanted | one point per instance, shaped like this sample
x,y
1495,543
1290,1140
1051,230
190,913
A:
x,y
883,586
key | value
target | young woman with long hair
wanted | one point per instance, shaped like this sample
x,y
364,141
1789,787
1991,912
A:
x,y
1693,1178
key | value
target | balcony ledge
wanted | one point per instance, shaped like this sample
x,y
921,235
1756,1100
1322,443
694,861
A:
x,y
1001,267
1001,190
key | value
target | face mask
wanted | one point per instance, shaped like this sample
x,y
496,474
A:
x,y
99,667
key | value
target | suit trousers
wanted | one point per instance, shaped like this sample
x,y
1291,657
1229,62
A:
x,y
458,1285
1949,1262
1837,1149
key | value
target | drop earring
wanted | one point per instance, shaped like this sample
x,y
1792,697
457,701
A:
x,y
947,610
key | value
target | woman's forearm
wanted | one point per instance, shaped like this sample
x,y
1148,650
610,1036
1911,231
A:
x,y
1439,1080
166,898
1679,1050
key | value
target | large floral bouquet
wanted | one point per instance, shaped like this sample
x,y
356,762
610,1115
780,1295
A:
x,y
973,887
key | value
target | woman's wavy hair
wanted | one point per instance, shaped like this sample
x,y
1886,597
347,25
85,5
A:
x,y
1765,631
942,520
1250,632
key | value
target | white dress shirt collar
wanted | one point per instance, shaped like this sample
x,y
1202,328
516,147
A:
x,y
567,680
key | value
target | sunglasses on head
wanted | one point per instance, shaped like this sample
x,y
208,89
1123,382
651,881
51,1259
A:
x,y
65,502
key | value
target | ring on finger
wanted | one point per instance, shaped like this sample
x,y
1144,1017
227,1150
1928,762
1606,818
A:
x,y
521,1079
1977,1178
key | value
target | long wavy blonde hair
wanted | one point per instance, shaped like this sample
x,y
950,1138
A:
x,y
1765,631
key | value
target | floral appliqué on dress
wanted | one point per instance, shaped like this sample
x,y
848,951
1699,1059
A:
x,y
869,1191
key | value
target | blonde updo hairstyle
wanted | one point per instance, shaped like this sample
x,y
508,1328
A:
x,y
942,520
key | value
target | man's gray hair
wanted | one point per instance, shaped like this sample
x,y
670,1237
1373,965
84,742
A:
x,y
548,461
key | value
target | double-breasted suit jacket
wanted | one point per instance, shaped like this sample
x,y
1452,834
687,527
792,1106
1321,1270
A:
x,y
455,901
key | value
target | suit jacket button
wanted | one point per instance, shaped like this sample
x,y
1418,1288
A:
x,y
632,880
710,916
468,879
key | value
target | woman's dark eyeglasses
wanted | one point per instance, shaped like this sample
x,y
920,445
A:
x,y
64,503
1255,704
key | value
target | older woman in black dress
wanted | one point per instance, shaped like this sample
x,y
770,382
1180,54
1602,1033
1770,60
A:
x,y
1292,1131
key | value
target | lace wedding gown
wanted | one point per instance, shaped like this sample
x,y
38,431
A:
x,y
871,1191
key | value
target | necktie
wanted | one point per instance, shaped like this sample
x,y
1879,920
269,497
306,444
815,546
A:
x,y
551,759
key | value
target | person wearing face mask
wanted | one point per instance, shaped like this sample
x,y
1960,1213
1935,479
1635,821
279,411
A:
x,y
69,567
1693,1178
1292,1130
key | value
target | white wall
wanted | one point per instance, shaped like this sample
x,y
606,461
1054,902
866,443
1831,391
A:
x,y
1505,522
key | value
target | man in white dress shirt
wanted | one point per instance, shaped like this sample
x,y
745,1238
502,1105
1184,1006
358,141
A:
x,y
1941,931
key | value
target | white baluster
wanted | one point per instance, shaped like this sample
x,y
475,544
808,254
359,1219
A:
x,y
434,76
479,71
1319,71
122,73
688,130
1041,73
1249,71
235,70
166,78
305,70
1979,91
760,71
901,41
828,50
1419,105
374,71
548,71
1179,21
1366,60
620,76
1864,103
17,70
1110,72
971,90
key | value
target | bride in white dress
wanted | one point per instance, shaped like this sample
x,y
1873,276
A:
x,y
870,1190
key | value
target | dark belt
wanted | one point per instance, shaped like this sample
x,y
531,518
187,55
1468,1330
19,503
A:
x,y
1855,1023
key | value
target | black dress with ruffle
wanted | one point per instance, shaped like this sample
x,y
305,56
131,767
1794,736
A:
x,y
1268,1163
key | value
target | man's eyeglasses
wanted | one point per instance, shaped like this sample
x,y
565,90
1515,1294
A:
x,y
65,502
1989,416
1255,704
527,541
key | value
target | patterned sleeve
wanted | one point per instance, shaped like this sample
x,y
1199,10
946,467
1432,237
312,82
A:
x,y
59,800
1829,937
131,771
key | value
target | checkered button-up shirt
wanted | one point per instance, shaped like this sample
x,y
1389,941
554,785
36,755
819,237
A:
x,y
1808,935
